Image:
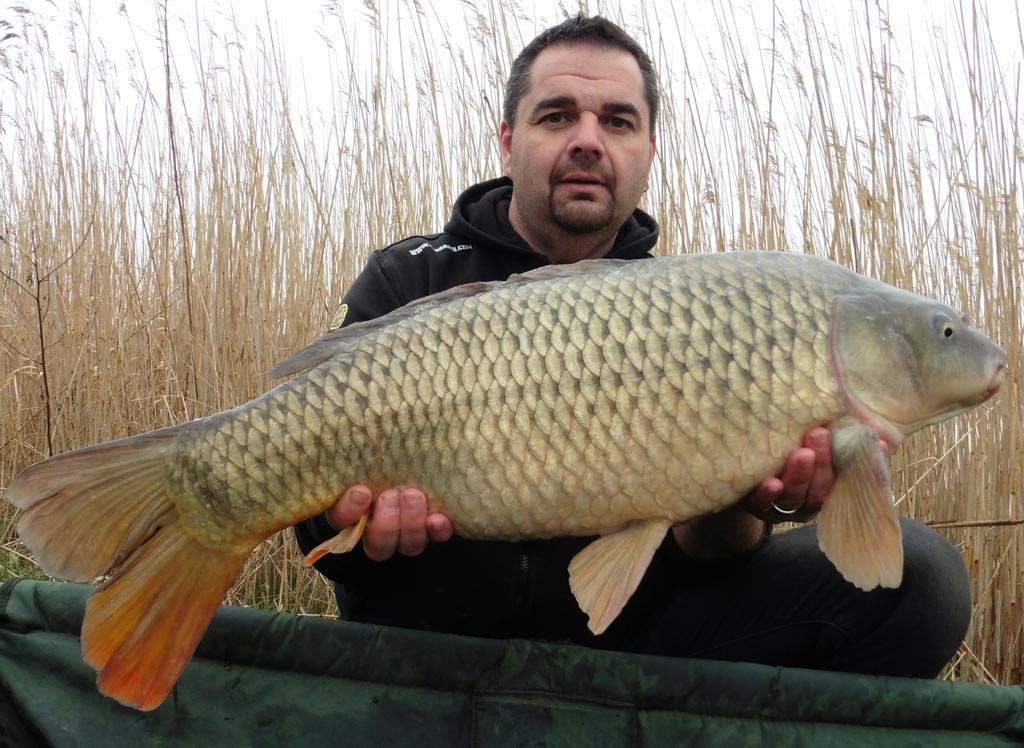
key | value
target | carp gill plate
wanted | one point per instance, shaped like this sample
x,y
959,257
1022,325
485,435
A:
x,y
611,398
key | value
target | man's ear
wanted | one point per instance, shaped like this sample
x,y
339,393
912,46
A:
x,y
505,142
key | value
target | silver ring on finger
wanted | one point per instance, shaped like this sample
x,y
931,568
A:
x,y
780,510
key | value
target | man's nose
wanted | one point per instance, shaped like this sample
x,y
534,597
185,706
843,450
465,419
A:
x,y
588,138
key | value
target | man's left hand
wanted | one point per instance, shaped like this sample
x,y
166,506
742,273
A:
x,y
802,486
798,493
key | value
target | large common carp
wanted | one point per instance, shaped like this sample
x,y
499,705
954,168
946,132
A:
x,y
609,397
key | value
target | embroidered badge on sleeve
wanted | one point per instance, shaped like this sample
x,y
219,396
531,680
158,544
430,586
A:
x,y
339,317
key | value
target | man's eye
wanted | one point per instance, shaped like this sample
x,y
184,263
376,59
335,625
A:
x,y
619,123
554,117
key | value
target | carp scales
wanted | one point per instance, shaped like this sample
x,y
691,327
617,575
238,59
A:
x,y
608,398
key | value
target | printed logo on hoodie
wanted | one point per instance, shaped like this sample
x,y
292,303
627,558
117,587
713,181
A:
x,y
440,248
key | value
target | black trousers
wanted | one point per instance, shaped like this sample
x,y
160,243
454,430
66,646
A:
x,y
783,604
787,605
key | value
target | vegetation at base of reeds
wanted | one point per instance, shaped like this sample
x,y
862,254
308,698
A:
x,y
169,232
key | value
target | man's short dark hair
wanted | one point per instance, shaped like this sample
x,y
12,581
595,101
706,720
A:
x,y
594,30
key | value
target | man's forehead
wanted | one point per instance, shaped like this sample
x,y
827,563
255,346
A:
x,y
609,71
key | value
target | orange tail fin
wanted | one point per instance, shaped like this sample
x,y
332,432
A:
x,y
107,509
142,626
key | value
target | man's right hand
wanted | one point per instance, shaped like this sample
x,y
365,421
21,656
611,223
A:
x,y
400,521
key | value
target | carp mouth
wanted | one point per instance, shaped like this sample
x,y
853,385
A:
x,y
997,380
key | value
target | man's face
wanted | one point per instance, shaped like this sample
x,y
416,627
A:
x,y
580,151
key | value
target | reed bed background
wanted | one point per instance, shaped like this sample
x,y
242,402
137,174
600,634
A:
x,y
167,235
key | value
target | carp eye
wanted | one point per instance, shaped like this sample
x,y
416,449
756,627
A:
x,y
945,326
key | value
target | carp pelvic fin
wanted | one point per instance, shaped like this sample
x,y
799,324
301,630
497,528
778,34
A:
x,y
107,509
607,572
343,542
858,528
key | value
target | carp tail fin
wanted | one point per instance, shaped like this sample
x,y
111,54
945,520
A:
x,y
108,510
143,625
86,511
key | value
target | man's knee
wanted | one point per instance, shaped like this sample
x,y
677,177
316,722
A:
x,y
937,588
931,561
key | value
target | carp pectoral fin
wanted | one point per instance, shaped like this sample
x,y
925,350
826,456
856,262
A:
x,y
143,625
605,574
858,528
343,542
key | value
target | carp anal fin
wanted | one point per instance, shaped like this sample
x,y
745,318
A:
x,y
605,574
343,542
858,528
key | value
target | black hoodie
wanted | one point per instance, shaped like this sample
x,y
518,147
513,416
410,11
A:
x,y
482,588
478,244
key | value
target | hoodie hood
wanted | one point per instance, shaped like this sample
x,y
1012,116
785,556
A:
x,y
481,215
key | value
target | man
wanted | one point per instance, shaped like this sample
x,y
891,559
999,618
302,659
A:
x,y
577,143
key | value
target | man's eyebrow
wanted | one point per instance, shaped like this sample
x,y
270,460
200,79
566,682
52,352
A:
x,y
621,107
564,101
554,102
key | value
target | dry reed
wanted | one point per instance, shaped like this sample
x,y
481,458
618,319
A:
x,y
160,252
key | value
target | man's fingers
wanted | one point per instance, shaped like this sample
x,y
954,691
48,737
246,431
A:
x,y
796,494
412,537
759,501
399,522
381,537
823,476
352,505
439,528
796,477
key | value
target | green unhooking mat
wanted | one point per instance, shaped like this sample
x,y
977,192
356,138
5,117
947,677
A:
x,y
270,679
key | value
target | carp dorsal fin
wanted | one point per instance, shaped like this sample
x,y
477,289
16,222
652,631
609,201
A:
x,y
858,528
334,341
550,272
605,574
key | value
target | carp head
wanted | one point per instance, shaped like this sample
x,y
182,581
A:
x,y
904,362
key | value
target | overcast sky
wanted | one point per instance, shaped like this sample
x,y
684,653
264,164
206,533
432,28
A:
x,y
923,32
298,25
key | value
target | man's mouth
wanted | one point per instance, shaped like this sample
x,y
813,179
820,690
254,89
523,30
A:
x,y
582,179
